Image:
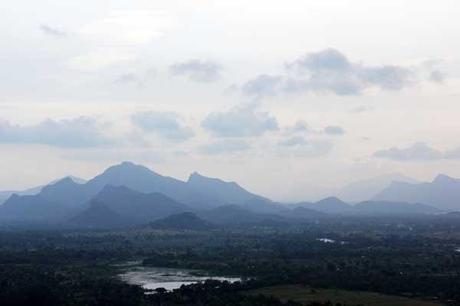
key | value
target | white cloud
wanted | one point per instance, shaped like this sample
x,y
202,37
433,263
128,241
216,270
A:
x,y
118,36
164,124
67,133
245,121
127,27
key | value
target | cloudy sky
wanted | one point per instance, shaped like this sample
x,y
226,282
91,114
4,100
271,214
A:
x,y
284,97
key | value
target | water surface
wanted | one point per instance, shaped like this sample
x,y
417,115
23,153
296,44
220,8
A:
x,y
151,278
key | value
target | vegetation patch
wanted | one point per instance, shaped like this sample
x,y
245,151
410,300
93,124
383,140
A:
x,y
304,294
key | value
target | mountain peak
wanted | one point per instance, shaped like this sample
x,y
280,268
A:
x,y
196,177
331,200
127,163
127,168
66,182
443,178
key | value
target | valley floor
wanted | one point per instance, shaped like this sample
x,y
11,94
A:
x,y
305,294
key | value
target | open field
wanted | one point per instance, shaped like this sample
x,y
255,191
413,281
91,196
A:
x,y
300,293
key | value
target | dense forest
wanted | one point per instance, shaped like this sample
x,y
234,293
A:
x,y
411,257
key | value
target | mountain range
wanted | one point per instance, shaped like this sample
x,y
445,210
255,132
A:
x,y
4,195
133,195
443,192
366,189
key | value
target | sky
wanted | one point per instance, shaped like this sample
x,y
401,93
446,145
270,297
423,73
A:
x,y
287,98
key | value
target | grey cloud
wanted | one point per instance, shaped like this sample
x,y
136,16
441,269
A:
x,y
334,130
224,147
437,76
328,59
140,79
419,151
164,124
46,29
262,85
330,72
301,127
197,70
72,133
386,77
240,122
293,141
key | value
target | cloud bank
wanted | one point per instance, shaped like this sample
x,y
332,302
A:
x,y
244,121
81,132
419,151
167,125
331,72
197,70
48,30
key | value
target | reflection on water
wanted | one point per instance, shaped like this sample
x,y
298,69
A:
x,y
151,278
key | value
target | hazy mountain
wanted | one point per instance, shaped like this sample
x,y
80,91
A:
x,y
136,206
199,192
443,193
235,214
31,208
98,215
225,192
335,206
330,205
384,208
142,179
182,221
66,192
364,190
4,195
261,205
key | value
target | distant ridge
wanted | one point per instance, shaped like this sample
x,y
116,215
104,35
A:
x,y
364,190
327,205
227,192
443,193
31,208
4,195
333,205
133,207
384,208
98,216
199,192
133,195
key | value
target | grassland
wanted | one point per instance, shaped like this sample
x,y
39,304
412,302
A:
x,y
303,294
